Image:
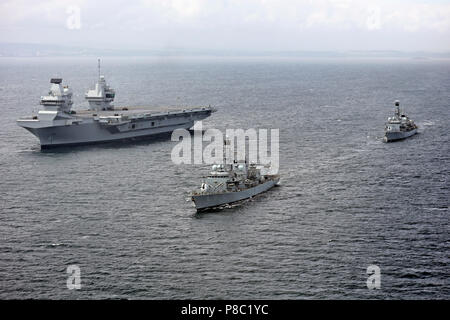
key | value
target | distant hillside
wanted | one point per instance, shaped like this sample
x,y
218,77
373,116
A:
x,y
49,50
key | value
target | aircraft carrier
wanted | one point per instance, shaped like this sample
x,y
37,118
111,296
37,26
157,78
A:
x,y
56,124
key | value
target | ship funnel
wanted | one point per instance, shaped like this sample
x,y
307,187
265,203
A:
x,y
397,108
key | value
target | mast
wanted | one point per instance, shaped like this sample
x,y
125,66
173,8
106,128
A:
x,y
101,97
227,153
226,143
397,108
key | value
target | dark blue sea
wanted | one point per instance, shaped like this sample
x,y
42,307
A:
x,y
346,200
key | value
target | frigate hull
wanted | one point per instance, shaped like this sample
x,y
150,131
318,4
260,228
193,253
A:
x,y
209,201
393,136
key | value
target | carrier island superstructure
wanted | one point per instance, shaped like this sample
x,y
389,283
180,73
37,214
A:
x,y
56,124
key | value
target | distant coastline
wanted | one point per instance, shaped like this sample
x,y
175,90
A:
x,y
49,50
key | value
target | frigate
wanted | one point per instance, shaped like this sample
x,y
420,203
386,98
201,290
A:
x,y
230,183
57,124
399,126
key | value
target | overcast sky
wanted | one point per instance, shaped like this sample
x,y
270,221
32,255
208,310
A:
x,y
309,25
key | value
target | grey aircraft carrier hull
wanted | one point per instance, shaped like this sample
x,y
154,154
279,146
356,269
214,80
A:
x,y
209,201
86,128
393,136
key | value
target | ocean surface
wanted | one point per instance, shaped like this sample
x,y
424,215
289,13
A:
x,y
121,213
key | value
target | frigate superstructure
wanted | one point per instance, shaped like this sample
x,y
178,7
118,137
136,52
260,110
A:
x,y
57,124
399,126
228,183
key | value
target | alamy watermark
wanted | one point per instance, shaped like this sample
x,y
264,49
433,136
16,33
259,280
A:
x,y
73,21
259,151
74,279
374,280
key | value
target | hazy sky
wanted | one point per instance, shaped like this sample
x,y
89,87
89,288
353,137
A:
x,y
309,25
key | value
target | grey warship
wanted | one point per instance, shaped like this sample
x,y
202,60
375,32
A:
x,y
231,183
399,126
56,124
